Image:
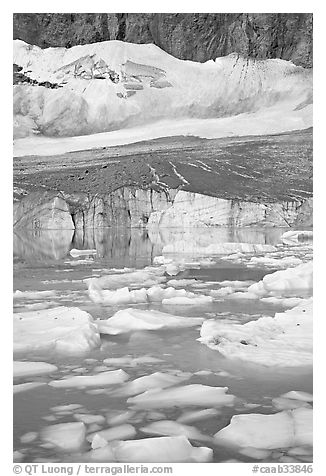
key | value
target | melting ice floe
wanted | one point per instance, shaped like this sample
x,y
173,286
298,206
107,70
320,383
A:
x,y
175,449
27,369
173,428
197,395
74,252
283,340
110,377
147,382
131,319
65,436
280,430
62,329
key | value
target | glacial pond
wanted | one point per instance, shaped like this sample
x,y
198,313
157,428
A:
x,y
42,262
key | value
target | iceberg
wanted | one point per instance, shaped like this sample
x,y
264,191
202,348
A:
x,y
195,394
64,330
282,340
130,319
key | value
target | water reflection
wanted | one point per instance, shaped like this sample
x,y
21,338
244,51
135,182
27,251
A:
x,y
123,243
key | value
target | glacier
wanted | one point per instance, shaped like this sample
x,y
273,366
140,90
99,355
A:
x,y
108,92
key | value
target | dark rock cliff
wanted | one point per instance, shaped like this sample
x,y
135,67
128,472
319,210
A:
x,y
189,36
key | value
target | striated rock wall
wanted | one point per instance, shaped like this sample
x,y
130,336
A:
x,y
133,208
190,36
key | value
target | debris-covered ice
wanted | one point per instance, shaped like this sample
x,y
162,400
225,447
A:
x,y
282,340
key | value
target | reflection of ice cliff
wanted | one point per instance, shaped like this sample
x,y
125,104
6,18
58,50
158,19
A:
x,y
110,85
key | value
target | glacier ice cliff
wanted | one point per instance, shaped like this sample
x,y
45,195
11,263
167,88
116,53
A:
x,y
132,207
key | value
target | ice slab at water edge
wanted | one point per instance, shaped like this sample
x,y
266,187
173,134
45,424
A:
x,y
130,319
66,330
279,430
283,340
296,236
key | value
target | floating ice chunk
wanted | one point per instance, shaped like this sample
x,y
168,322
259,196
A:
x,y
28,437
177,283
192,247
27,369
63,329
119,417
65,436
130,319
288,403
298,395
283,340
258,431
33,294
121,432
285,262
173,428
75,253
175,449
89,419
147,277
303,423
294,236
285,281
199,395
280,430
162,260
111,377
188,301
243,295
285,302
191,416
131,362
23,387
70,407
98,442
155,380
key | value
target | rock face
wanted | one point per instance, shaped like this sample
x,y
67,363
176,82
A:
x,y
132,208
190,36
